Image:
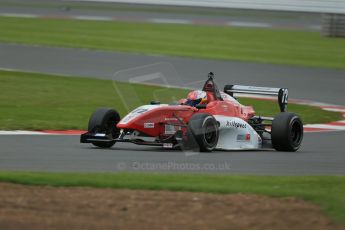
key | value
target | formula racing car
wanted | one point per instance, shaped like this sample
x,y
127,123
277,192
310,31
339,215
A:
x,y
207,120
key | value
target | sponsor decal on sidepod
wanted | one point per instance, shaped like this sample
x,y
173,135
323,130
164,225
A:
x,y
149,125
236,124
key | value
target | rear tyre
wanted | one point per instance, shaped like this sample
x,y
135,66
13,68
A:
x,y
203,130
104,120
287,132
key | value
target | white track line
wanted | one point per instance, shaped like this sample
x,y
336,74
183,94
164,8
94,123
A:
x,y
22,132
20,15
169,21
250,24
325,126
93,18
334,109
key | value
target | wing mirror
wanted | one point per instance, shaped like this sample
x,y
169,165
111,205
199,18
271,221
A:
x,y
202,106
155,103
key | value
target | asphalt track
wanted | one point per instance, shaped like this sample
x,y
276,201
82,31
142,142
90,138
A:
x,y
321,153
317,84
162,14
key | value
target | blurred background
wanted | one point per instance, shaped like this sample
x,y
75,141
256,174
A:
x,y
62,59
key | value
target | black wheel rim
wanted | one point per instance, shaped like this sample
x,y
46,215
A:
x,y
210,135
111,128
296,133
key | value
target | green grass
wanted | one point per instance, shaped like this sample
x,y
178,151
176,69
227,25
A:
x,y
34,101
227,43
326,191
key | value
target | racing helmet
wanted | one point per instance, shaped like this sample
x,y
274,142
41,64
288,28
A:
x,y
196,97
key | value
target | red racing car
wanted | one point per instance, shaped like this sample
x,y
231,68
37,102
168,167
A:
x,y
206,120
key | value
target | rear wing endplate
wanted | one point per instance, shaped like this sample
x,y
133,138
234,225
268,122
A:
x,y
281,93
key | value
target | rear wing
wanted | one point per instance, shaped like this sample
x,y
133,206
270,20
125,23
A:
x,y
281,93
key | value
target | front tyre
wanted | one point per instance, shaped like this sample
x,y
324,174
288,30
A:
x,y
203,128
287,132
104,120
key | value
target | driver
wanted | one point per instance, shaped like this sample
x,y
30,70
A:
x,y
196,97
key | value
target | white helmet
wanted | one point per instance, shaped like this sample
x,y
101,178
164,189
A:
x,y
196,97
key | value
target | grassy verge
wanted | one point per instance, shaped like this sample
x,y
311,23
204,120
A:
x,y
243,44
37,101
326,191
